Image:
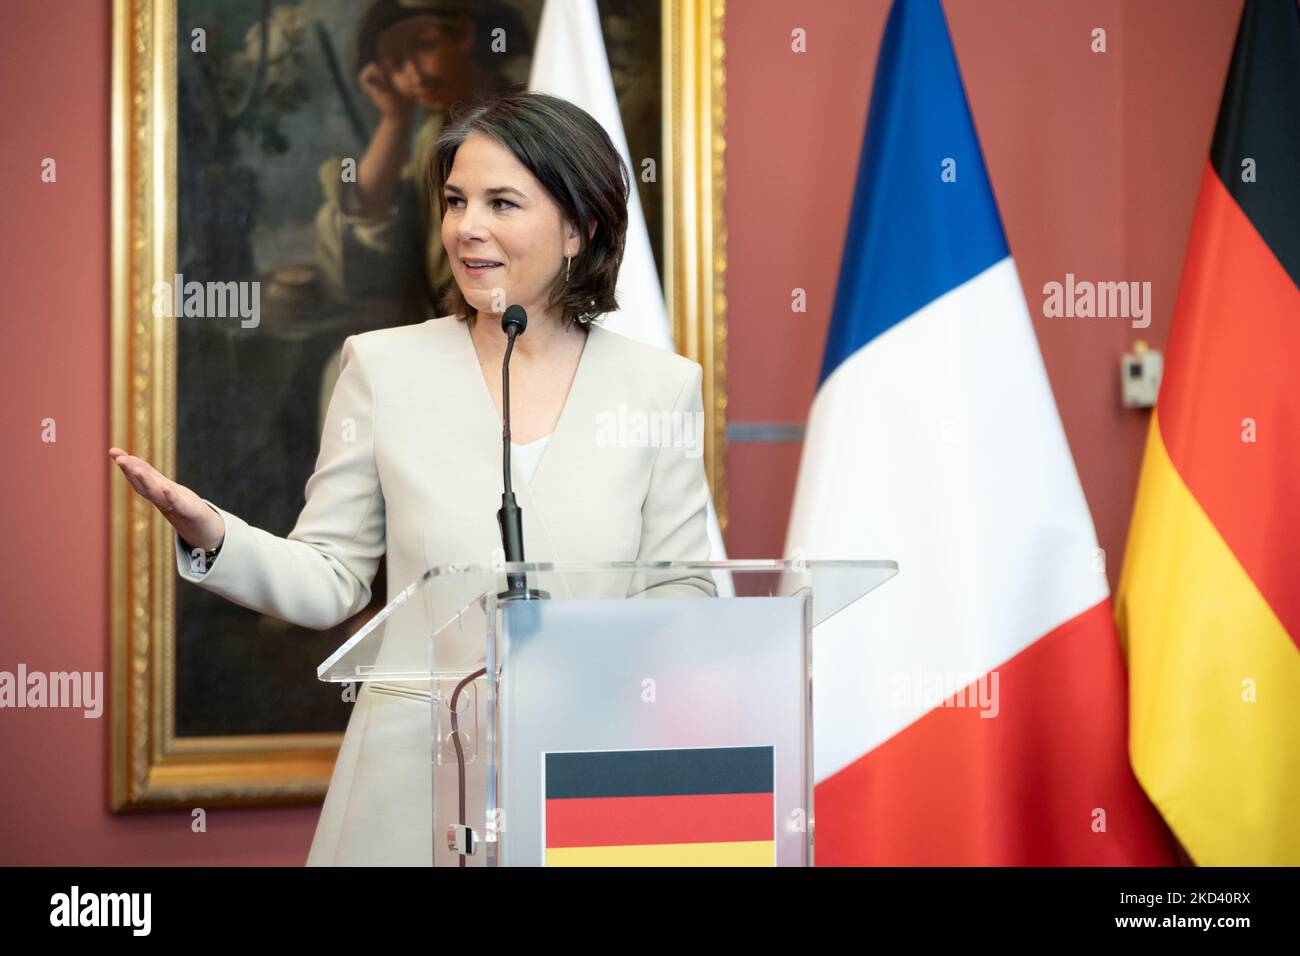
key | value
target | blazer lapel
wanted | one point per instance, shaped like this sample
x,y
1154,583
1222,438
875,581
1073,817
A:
x,y
553,485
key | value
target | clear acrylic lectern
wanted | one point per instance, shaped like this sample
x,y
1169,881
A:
x,y
621,713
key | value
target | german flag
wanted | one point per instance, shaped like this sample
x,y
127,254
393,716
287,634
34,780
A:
x,y
1209,598
708,806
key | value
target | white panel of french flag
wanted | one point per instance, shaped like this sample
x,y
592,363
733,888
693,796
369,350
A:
x,y
934,440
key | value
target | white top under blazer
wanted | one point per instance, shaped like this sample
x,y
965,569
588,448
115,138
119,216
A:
x,y
410,466
529,457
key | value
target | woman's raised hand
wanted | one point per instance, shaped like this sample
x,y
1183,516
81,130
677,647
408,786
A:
x,y
199,525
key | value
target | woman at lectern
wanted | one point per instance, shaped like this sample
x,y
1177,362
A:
x,y
534,213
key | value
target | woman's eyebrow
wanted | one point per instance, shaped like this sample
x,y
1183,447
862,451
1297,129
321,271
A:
x,y
494,191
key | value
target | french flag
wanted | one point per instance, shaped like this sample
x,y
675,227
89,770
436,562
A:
x,y
973,710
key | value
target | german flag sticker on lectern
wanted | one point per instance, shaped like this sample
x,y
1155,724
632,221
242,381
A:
x,y
699,806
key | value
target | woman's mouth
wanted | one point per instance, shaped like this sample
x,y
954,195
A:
x,y
478,267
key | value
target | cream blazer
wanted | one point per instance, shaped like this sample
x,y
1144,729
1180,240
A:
x,y
410,466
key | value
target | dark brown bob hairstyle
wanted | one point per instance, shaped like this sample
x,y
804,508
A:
x,y
572,156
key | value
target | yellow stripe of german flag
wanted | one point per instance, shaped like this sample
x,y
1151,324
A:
x,y
752,853
1215,715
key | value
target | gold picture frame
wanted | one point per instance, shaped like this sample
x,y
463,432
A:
x,y
695,250
150,766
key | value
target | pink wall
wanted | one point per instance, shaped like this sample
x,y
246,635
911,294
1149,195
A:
x,y
1094,159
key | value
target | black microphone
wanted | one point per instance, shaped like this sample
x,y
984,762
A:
x,y
514,321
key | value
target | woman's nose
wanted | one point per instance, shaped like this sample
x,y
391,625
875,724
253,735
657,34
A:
x,y
471,224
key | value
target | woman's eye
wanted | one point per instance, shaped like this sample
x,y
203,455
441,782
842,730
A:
x,y
453,200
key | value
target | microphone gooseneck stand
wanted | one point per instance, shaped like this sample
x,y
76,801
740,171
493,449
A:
x,y
510,519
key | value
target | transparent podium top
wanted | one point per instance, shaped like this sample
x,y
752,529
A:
x,y
453,601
